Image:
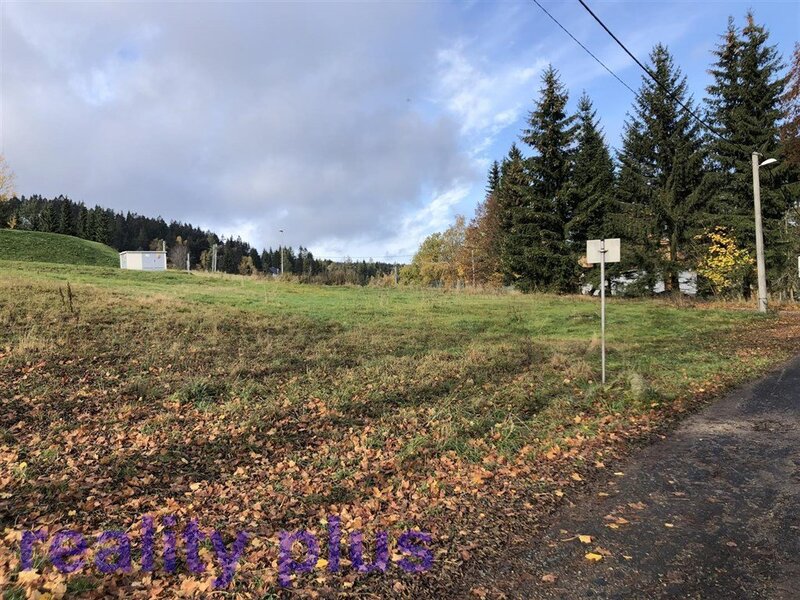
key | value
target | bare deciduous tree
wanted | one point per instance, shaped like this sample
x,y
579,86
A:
x,y
178,252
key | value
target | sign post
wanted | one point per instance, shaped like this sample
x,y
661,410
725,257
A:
x,y
603,251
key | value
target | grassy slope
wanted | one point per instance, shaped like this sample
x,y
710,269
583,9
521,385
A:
x,y
264,405
35,246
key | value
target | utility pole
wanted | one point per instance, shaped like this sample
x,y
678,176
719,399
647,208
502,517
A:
x,y
214,258
281,252
188,257
762,271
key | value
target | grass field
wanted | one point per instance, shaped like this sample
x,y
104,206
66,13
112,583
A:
x,y
264,406
19,245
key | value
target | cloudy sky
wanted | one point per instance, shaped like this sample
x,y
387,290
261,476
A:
x,y
358,128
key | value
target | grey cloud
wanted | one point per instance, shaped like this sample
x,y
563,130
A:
x,y
278,115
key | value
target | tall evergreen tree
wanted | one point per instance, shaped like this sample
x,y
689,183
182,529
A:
x,y
517,239
256,258
661,169
592,183
82,222
550,134
65,217
47,219
744,102
494,178
100,232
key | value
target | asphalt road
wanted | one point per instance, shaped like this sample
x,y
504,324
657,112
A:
x,y
713,511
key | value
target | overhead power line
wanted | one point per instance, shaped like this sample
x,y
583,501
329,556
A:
x,y
646,70
589,52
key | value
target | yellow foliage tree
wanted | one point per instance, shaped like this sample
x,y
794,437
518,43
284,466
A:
x,y
247,267
6,180
437,261
723,263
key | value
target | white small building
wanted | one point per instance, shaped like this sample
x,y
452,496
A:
x,y
152,260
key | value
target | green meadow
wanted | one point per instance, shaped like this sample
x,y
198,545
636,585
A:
x,y
223,395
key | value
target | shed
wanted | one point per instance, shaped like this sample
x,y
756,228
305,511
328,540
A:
x,y
152,260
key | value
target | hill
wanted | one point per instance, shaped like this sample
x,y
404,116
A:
x,y
54,248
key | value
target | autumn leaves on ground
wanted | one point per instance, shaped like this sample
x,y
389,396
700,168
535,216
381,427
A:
x,y
259,406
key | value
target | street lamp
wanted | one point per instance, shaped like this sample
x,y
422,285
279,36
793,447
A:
x,y
281,230
762,272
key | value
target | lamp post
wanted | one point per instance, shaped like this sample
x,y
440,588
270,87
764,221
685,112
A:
x,y
281,252
762,271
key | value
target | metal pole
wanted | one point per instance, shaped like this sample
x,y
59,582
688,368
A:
x,y
762,272
188,255
281,252
603,308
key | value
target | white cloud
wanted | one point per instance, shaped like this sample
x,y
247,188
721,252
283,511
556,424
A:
x,y
485,99
436,215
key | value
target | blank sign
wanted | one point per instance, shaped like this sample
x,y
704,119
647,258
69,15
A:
x,y
594,250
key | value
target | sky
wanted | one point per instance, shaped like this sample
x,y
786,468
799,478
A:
x,y
357,128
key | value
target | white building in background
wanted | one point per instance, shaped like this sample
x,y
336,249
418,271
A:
x,y
152,260
687,282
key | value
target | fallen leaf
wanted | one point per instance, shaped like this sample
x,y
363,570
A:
x,y
593,556
549,578
585,539
27,576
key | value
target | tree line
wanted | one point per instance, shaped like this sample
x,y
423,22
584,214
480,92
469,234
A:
x,y
678,194
131,231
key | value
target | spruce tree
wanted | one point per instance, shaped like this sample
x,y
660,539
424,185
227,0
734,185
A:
x,y
100,232
82,222
513,197
65,218
47,218
744,104
661,169
550,134
494,178
592,183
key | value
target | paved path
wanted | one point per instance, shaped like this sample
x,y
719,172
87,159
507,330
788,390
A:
x,y
711,512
